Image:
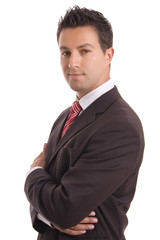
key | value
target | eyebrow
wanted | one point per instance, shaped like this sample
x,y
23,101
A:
x,y
81,46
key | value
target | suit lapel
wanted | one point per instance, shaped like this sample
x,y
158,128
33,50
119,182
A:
x,y
81,122
88,116
55,135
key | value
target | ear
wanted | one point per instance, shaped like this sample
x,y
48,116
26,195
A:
x,y
109,55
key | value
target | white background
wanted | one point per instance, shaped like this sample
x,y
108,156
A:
x,y
33,92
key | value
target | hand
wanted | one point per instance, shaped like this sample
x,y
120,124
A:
x,y
86,224
40,161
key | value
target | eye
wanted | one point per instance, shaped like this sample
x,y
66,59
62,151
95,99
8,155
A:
x,y
85,51
66,53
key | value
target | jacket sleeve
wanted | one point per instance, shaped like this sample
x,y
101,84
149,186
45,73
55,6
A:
x,y
36,223
111,155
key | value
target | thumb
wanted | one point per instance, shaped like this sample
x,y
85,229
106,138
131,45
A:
x,y
45,147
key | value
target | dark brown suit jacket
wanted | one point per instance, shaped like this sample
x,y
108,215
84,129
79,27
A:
x,y
93,167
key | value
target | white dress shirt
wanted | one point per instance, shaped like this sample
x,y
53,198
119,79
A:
x,y
90,97
85,101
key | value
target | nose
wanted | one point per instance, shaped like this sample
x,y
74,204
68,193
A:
x,y
74,60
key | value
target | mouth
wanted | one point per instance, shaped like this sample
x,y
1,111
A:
x,y
75,75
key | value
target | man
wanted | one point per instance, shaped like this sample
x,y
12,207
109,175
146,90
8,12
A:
x,y
82,184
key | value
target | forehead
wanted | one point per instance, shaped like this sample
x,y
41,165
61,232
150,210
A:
x,y
73,37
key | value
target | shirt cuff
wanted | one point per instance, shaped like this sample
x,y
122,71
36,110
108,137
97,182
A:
x,y
32,169
40,217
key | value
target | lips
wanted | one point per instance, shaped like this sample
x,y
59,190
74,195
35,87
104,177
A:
x,y
75,74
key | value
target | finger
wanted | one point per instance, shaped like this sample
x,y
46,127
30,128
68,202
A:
x,y
82,227
89,220
92,214
45,147
71,232
39,155
74,233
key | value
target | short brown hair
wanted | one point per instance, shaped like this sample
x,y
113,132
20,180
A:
x,y
76,17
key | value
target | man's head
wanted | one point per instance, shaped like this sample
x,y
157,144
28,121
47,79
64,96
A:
x,y
86,50
78,17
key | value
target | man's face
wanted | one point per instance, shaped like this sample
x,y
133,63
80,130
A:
x,y
84,64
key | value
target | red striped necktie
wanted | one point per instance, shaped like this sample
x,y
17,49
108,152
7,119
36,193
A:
x,y
74,111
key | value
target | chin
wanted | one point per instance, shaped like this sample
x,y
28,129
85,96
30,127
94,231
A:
x,y
74,88
73,85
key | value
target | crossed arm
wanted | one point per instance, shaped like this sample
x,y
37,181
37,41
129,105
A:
x,y
87,223
114,161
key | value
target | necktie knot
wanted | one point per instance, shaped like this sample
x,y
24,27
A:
x,y
76,107
74,111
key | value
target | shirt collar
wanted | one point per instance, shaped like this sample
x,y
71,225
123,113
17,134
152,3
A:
x,y
90,97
